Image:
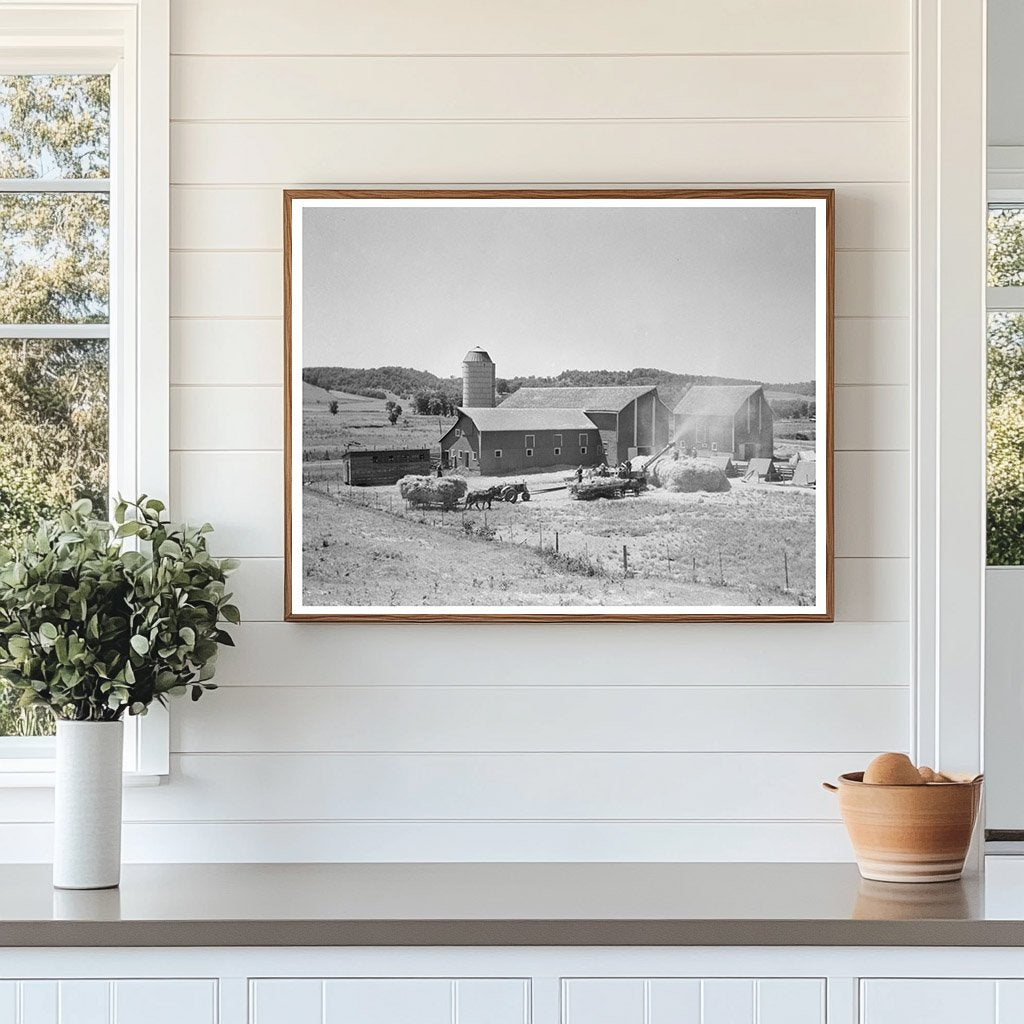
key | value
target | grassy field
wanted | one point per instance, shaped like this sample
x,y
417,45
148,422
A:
x,y
362,546
359,422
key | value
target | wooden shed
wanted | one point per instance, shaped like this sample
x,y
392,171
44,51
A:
x,y
376,467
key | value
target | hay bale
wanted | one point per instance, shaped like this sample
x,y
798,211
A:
x,y
430,491
687,475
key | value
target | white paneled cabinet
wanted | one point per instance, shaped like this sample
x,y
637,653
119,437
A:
x,y
942,1001
102,1001
389,1001
693,1001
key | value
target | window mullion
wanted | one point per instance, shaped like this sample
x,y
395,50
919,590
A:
x,y
64,332
54,185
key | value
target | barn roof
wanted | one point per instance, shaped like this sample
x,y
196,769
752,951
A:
x,y
589,399
504,418
715,399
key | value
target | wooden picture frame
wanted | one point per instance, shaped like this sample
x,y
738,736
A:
x,y
324,482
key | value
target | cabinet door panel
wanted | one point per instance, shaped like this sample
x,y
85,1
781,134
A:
x,y
388,1001
674,1000
929,1001
8,1002
603,1001
492,1001
286,1001
38,1002
165,1002
84,1002
791,1001
727,1001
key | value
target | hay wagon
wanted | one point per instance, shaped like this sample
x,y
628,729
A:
x,y
591,488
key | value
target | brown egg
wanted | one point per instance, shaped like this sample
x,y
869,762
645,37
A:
x,y
893,770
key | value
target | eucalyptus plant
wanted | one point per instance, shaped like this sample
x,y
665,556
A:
x,y
98,619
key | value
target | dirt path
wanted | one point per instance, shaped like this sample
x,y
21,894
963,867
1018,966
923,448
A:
x,y
358,556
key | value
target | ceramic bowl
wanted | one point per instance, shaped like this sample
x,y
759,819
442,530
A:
x,y
909,833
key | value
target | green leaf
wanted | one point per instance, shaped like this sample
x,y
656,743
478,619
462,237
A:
x,y
231,613
170,549
140,644
48,631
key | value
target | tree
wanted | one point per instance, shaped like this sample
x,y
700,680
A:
x,y
53,270
333,406
394,412
1005,384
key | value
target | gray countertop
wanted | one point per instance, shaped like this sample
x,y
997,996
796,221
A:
x,y
504,904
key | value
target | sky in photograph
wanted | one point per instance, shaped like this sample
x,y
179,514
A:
x,y
727,291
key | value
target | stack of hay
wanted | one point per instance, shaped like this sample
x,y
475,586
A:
x,y
687,475
433,492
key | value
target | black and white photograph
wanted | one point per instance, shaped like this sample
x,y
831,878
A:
x,y
572,406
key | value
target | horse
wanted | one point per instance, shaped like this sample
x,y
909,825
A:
x,y
477,499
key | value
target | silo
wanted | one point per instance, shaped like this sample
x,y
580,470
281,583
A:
x,y
477,380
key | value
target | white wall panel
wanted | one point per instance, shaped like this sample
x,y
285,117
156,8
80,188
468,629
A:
x,y
535,26
241,493
557,151
872,350
218,418
461,787
872,418
842,654
873,283
227,352
868,216
606,718
537,88
872,502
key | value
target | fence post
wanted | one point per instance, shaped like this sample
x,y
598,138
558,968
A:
x,y
556,542
721,574
785,562
625,559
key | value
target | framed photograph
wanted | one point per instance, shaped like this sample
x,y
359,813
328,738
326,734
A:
x,y
558,405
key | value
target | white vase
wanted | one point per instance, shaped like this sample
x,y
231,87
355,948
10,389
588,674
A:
x,y
87,805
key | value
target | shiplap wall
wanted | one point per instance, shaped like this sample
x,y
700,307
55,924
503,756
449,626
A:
x,y
683,741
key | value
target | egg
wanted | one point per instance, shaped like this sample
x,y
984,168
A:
x,y
893,770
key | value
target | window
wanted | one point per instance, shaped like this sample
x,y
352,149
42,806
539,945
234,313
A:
x,y
558,451
77,155
558,440
531,440
1005,476
583,440
497,453
529,453
583,450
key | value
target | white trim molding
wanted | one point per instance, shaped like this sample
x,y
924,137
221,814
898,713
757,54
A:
x,y
950,211
129,40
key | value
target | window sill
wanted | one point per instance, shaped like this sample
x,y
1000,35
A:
x,y
38,773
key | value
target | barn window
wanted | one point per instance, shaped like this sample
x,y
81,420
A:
x,y
583,449
558,451
583,440
531,440
529,453
497,453
558,442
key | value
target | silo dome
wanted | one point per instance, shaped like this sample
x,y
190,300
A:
x,y
477,380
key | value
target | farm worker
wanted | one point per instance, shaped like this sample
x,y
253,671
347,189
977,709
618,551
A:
x,y
579,474
440,470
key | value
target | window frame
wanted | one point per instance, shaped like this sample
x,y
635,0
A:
x,y
130,42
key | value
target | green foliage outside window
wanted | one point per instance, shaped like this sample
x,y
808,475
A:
x,y
54,269
1005,478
